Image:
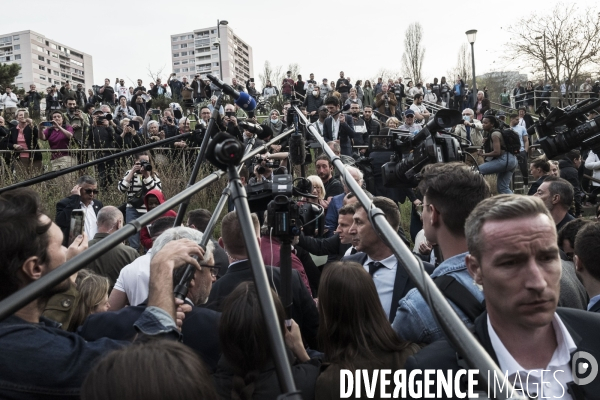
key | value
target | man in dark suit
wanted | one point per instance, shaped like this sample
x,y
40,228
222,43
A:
x,y
587,253
200,325
82,197
540,170
340,127
304,311
390,277
523,330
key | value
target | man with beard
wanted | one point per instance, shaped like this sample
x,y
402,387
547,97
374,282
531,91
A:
x,y
80,123
31,248
343,87
107,93
360,127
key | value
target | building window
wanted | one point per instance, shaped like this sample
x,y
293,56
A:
x,y
185,70
38,48
42,77
215,64
184,62
176,63
190,36
213,31
42,67
177,70
15,37
40,58
17,56
192,53
183,45
174,39
56,73
175,46
175,54
17,47
182,37
184,53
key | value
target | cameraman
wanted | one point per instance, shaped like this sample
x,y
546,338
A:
x,y
498,160
230,122
102,136
80,123
107,93
138,181
32,101
123,110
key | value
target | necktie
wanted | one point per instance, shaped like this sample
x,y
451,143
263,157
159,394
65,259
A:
x,y
353,251
374,267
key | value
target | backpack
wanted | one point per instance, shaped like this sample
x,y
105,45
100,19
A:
x,y
512,141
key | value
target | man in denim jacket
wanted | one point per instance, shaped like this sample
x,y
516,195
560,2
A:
x,y
451,191
38,359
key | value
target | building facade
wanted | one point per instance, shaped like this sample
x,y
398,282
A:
x,y
45,62
197,53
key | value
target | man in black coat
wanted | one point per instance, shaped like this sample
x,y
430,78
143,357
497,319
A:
x,y
540,170
390,277
569,170
82,197
341,129
523,330
304,311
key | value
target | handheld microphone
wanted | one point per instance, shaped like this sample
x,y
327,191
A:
x,y
345,108
243,99
250,127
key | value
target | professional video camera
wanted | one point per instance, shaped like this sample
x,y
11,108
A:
x,y
262,167
563,129
428,146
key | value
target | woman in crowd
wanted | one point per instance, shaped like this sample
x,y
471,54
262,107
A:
x,y
354,331
24,137
311,208
368,94
58,137
246,369
158,369
131,138
269,91
482,105
274,123
498,160
359,90
93,297
353,98
429,95
312,102
390,123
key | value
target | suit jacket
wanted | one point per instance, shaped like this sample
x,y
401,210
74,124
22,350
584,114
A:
x,y
402,283
31,138
63,213
304,311
324,246
200,329
583,327
345,134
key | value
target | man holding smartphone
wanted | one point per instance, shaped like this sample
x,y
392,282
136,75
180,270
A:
x,y
83,196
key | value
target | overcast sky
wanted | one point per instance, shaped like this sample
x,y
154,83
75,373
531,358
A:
x,y
125,38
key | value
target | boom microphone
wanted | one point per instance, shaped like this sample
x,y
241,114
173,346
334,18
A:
x,y
250,127
345,108
297,150
243,99
265,133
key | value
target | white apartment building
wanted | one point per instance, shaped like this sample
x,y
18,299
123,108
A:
x,y
45,62
196,53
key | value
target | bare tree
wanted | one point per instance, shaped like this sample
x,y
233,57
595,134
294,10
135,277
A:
x,y
414,52
295,68
386,74
155,75
266,75
572,39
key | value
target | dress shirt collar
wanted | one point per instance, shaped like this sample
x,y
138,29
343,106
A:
x,y
593,301
389,263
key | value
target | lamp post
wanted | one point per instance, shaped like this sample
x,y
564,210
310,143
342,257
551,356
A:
x,y
219,23
546,59
471,38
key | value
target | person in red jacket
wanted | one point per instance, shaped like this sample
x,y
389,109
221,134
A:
x,y
153,199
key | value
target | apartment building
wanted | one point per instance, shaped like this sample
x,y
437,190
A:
x,y
197,53
45,62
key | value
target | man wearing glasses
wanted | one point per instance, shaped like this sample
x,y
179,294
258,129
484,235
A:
x,y
82,197
409,122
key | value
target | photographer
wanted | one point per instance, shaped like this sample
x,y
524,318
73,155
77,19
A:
x,y
169,124
67,92
23,137
129,134
80,123
58,137
107,93
53,101
498,160
79,96
138,181
32,101
200,89
186,94
386,102
340,129
123,110
175,85
138,104
102,136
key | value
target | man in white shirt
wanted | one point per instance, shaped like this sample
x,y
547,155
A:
x,y
421,113
10,101
531,340
121,89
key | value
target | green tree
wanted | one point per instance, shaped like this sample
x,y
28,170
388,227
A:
x,y
8,73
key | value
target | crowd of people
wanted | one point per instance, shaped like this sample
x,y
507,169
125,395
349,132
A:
x,y
520,271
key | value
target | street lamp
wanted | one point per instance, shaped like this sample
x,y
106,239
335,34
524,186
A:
x,y
546,59
471,38
218,44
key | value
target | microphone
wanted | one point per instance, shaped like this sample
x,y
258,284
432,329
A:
x,y
297,151
265,133
250,127
345,108
242,99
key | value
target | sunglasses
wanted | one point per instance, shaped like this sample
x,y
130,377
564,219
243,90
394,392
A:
x,y
90,191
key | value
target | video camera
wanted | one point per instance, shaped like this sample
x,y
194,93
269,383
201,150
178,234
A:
x,y
285,216
563,129
102,117
262,168
428,146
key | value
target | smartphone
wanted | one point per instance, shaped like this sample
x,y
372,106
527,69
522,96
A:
x,y
135,124
47,124
157,111
77,224
230,113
